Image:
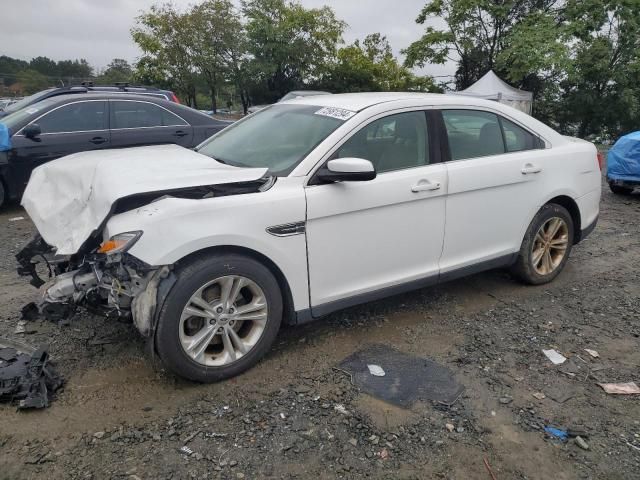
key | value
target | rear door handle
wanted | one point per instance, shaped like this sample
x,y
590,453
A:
x,y
425,186
530,168
180,133
98,140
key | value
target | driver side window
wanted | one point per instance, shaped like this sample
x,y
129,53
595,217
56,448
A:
x,y
391,143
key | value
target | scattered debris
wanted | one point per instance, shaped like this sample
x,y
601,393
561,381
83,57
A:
x,y
629,388
556,357
450,426
186,450
593,353
488,467
26,376
376,370
540,395
506,400
557,433
20,327
407,378
581,443
16,219
384,454
340,409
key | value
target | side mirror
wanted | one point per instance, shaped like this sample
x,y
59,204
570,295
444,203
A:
x,y
347,170
32,130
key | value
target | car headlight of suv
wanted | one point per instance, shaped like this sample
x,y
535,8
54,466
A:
x,y
120,243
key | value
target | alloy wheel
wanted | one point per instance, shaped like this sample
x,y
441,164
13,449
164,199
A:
x,y
223,320
550,246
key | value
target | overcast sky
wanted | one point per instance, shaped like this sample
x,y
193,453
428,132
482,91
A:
x,y
98,30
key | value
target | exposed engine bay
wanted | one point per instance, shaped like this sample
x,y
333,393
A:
x,y
106,280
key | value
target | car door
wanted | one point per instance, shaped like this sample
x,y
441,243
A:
x,y
75,127
136,123
376,237
496,170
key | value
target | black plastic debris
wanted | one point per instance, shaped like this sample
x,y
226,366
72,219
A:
x,y
406,378
26,376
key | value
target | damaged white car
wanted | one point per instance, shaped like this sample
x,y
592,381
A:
x,y
304,208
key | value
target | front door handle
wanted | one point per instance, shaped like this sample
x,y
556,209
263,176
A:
x,y
98,140
425,186
530,168
180,133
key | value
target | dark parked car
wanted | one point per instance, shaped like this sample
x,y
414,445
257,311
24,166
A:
x,y
67,124
88,88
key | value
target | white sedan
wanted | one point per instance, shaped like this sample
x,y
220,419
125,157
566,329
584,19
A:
x,y
304,208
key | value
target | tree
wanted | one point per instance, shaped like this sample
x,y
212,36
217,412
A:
x,y
477,32
289,44
371,66
164,35
45,66
32,81
73,71
216,33
118,70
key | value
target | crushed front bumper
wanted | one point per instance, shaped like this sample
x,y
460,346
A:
x,y
116,285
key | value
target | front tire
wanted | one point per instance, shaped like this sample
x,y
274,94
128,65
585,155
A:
x,y
546,246
220,318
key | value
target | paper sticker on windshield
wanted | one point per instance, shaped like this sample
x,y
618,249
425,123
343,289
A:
x,y
31,111
333,112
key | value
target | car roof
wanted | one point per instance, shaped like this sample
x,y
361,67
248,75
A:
x,y
109,96
359,101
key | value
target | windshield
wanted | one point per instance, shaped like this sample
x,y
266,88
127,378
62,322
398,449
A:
x,y
14,107
18,118
278,137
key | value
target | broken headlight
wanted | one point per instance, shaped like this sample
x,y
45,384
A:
x,y
120,243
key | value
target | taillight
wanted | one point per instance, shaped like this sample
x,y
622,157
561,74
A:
x,y
174,98
600,157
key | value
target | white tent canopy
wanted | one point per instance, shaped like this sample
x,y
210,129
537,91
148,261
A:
x,y
491,87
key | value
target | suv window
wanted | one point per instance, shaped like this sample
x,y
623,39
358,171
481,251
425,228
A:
x,y
391,143
75,117
473,133
517,138
130,114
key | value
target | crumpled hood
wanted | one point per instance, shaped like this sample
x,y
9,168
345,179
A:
x,y
69,198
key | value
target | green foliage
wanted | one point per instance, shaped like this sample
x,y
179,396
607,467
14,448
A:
x,y
579,57
118,70
32,81
289,45
370,66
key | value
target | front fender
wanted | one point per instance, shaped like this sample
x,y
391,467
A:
x,y
174,228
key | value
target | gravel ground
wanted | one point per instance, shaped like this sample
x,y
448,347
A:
x,y
118,417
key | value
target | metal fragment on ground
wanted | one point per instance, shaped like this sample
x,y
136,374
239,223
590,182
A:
x,y
407,378
376,370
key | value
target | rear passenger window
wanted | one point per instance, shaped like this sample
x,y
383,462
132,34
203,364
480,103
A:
x,y
517,138
130,114
473,133
391,143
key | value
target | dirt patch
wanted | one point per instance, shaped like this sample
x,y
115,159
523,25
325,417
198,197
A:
x,y
118,417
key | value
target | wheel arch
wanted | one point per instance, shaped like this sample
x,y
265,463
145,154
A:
x,y
287,296
573,209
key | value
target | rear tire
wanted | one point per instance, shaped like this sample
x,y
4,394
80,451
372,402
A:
x,y
620,190
197,307
546,246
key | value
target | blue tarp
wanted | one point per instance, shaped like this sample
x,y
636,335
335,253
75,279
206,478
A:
x,y
5,138
623,160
